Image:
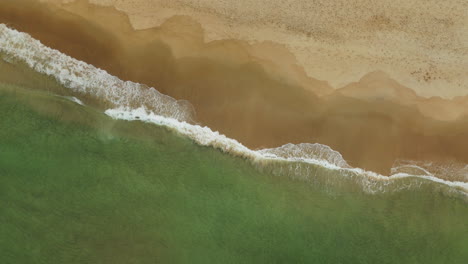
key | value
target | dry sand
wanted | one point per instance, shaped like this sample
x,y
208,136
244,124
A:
x,y
257,93
420,43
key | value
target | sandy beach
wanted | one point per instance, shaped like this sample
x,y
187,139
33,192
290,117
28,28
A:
x,y
421,44
266,85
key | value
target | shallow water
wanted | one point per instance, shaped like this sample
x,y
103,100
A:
x,y
79,187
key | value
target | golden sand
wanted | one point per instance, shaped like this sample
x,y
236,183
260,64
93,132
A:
x,y
419,43
255,93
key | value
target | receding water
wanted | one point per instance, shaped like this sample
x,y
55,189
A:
x,y
79,187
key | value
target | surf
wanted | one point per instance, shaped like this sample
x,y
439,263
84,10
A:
x,y
86,79
133,101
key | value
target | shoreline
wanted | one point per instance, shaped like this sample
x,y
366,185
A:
x,y
239,97
120,192
275,161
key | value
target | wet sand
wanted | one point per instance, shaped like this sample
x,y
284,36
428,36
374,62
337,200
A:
x,y
247,95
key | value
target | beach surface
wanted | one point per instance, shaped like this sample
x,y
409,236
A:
x,y
421,44
257,78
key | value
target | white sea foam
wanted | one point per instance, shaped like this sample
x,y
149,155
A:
x,y
308,151
84,78
452,169
74,99
316,154
133,101
206,137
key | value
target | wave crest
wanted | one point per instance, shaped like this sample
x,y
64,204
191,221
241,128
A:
x,y
308,151
286,160
87,79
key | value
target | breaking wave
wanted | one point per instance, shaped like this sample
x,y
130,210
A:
x,y
86,79
132,101
312,162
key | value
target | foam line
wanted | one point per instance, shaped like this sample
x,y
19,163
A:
x,y
86,79
133,101
206,137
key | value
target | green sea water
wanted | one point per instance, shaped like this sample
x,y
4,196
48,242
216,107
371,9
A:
x,y
79,187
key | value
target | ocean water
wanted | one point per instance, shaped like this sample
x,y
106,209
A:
x,y
92,173
77,186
